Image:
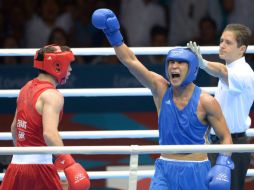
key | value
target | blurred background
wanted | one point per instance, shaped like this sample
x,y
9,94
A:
x,y
36,23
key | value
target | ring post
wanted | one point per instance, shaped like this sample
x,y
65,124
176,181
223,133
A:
x,y
133,177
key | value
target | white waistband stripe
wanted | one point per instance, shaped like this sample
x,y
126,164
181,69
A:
x,y
32,159
175,160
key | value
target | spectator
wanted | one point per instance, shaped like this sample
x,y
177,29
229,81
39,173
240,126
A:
x,y
185,16
235,11
59,37
207,32
10,42
158,38
135,16
40,26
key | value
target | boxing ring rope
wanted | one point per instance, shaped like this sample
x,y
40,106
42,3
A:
x,y
109,174
134,150
99,92
110,51
120,174
114,134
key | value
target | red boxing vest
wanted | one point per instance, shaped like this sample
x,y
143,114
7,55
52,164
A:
x,y
29,129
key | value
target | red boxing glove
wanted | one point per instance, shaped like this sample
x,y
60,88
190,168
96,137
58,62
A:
x,y
76,175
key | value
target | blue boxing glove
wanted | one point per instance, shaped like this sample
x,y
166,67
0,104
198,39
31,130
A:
x,y
219,177
106,20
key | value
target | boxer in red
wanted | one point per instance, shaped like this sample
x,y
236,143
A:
x,y
39,110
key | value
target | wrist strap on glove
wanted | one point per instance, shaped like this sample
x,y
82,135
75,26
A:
x,y
63,161
225,161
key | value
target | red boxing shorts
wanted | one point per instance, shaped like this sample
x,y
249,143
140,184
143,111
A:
x,y
23,176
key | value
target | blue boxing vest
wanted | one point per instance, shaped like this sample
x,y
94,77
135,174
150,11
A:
x,y
180,126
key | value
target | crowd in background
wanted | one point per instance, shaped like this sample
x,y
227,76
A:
x,y
35,23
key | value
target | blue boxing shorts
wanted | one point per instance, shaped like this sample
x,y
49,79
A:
x,y
180,175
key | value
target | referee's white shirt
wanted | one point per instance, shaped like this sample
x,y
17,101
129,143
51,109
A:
x,y
237,98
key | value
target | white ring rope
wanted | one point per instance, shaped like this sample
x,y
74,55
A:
x,y
99,134
133,149
120,174
110,51
113,134
91,92
108,174
99,92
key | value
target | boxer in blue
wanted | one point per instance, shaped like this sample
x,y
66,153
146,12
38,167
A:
x,y
185,114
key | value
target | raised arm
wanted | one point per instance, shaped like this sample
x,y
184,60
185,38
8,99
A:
x,y
147,78
107,21
215,69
